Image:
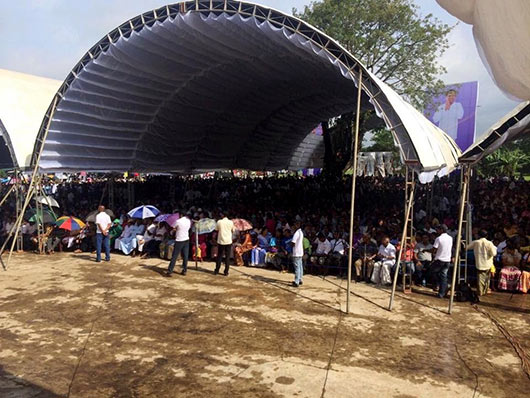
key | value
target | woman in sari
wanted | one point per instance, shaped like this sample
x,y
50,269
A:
x,y
241,248
510,274
524,280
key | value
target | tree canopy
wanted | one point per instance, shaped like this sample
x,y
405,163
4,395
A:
x,y
390,38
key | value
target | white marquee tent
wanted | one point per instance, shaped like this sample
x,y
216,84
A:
x,y
220,84
24,100
502,32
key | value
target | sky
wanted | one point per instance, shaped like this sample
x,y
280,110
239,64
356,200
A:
x,y
48,37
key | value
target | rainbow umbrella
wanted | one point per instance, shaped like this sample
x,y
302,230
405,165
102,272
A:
x,y
70,223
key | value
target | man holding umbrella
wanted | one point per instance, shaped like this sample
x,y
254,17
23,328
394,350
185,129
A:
x,y
182,244
103,224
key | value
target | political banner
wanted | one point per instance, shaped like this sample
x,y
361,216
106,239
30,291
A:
x,y
454,112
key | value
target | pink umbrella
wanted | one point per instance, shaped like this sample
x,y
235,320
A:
x,y
172,219
241,224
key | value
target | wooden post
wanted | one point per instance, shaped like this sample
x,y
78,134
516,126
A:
x,y
456,264
354,179
32,186
403,243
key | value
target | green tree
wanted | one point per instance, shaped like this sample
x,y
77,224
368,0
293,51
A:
x,y
391,39
382,142
506,161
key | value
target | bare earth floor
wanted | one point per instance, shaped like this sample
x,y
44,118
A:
x,y
73,327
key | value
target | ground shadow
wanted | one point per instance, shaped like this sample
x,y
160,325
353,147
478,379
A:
x,y
162,270
504,307
388,291
356,295
84,256
285,286
14,386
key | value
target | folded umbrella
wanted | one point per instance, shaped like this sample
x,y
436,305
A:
x,y
204,226
70,223
142,212
47,200
92,216
241,224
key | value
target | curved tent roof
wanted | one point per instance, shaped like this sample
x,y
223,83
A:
x,y
8,159
218,84
23,105
511,127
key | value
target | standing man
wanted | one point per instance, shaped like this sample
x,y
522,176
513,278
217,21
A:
x,y
443,249
484,252
449,114
103,224
181,245
225,229
298,253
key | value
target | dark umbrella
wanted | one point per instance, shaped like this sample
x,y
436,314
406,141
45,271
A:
x,y
92,216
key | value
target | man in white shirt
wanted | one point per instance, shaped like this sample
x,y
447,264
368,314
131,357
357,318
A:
x,y
443,249
181,245
448,115
387,259
225,230
323,245
298,252
484,252
423,258
103,224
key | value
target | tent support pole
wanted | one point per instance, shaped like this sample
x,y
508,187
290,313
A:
x,y
31,189
456,264
410,201
39,210
354,178
130,192
8,193
18,205
196,248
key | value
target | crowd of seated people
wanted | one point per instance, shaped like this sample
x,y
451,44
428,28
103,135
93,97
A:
x,y
273,204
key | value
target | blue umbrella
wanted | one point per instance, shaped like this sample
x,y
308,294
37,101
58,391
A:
x,y
144,212
162,217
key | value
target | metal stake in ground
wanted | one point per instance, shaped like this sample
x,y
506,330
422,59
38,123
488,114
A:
x,y
354,178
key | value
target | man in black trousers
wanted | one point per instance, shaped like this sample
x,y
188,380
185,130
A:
x,y
225,229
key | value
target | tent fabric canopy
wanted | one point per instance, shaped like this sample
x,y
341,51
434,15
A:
x,y
212,85
511,127
501,32
8,160
23,104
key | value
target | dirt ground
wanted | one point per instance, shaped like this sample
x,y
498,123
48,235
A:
x,y
70,327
